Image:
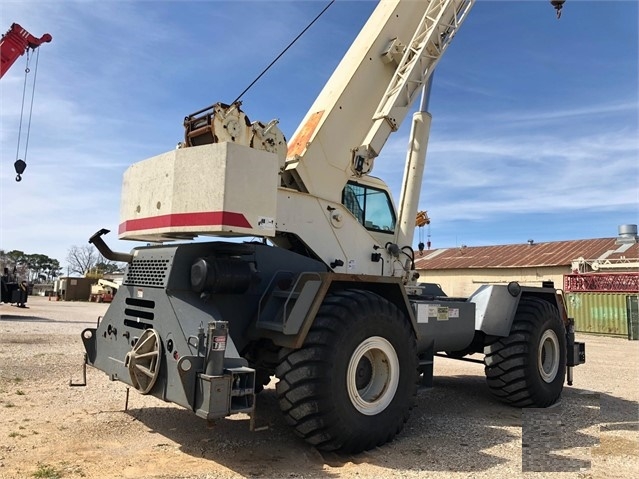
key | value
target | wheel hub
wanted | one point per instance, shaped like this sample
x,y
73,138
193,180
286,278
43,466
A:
x,y
372,375
364,373
548,356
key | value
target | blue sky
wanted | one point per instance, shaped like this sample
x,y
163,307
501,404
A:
x,y
535,120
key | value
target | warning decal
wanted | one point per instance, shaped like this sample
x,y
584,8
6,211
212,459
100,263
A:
x,y
442,313
219,343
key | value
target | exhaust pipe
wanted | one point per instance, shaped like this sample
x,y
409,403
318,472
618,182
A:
x,y
97,241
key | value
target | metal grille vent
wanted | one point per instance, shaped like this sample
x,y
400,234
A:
x,y
147,272
138,316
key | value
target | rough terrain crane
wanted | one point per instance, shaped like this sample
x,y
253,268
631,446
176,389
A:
x,y
327,300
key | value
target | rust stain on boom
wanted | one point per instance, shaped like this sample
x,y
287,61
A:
x,y
298,144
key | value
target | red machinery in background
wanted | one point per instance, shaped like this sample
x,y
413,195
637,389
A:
x,y
15,43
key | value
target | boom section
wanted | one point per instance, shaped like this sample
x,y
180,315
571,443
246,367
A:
x,y
15,43
370,93
436,30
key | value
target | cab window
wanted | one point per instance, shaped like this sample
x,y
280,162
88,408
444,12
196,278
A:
x,y
371,206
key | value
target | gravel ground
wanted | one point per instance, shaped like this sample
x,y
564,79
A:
x,y
48,429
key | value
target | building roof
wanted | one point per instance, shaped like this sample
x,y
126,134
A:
x,y
555,253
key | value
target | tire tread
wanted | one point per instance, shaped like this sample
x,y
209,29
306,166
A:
x,y
507,359
302,392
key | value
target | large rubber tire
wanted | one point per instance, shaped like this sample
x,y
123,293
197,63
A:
x,y
528,368
353,383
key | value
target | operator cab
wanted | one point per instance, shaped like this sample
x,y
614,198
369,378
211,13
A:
x,y
371,204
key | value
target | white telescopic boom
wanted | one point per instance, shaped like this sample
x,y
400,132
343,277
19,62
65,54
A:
x,y
370,93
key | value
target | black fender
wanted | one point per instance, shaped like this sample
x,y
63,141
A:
x,y
298,319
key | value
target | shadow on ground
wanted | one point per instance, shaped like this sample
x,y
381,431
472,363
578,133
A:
x,y
38,319
453,428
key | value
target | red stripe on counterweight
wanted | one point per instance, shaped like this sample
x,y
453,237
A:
x,y
207,218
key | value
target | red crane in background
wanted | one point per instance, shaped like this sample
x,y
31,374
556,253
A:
x,y
15,43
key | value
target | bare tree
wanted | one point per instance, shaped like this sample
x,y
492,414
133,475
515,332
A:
x,y
82,258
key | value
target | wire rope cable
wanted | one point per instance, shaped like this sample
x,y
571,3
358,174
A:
x,y
35,77
24,93
284,51
21,164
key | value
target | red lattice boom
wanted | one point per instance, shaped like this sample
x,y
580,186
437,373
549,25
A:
x,y
602,282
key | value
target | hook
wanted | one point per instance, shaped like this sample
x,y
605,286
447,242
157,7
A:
x,y
19,166
558,4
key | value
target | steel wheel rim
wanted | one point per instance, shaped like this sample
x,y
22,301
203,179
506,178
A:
x,y
548,356
143,361
372,375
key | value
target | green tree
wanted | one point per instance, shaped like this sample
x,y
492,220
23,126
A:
x,y
41,267
53,269
15,258
31,267
34,263
15,261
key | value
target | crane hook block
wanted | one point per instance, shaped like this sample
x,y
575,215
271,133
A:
x,y
422,219
558,4
19,166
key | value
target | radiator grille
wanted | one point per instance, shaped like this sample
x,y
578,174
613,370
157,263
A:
x,y
147,272
139,316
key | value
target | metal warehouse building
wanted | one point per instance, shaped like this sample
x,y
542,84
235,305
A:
x,y
600,277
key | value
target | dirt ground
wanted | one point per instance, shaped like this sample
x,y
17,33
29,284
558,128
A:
x,y
51,430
